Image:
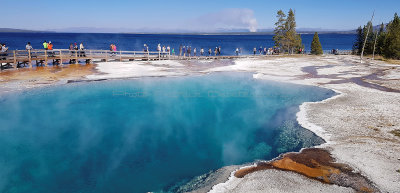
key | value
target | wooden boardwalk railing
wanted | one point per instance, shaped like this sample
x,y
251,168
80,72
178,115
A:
x,y
19,58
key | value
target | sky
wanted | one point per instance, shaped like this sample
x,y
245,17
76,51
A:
x,y
200,15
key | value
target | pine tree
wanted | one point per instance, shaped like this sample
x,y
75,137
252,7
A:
x,y
391,47
280,29
286,36
381,40
294,40
316,47
369,45
357,46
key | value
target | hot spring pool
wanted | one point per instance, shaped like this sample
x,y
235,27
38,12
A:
x,y
147,134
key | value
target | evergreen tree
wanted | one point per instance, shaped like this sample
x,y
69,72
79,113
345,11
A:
x,y
361,35
316,47
369,45
286,36
381,40
357,46
391,47
280,29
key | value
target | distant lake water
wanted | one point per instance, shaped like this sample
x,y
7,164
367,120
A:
x,y
134,42
150,134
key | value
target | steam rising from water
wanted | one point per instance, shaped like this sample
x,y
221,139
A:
x,y
144,135
234,18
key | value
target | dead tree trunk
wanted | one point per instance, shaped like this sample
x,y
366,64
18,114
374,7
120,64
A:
x,y
366,37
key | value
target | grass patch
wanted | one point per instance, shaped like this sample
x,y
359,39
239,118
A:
x,y
396,132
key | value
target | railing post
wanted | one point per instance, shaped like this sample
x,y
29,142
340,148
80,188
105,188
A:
x,y
15,59
120,56
61,60
76,57
30,58
45,57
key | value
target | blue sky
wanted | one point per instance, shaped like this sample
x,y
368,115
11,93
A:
x,y
189,14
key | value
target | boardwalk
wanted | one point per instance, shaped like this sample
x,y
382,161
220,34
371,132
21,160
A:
x,y
23,58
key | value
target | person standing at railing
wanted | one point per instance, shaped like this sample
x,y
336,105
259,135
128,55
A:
x,y
159,50
163,51
201,51
173,51
71,48
237,51
145,49
194,52
45,45
3,51
209,51
81,47
184,51
180,51
28,46
169,50
50,47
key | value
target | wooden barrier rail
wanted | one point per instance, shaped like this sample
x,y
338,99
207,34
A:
x,y
19,58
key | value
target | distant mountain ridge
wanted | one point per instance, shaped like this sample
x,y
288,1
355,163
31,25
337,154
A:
x,y
267,31
12,30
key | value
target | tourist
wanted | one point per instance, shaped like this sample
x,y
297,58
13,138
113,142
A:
x,y
50,47
163,51
169,50
201,51
180,50
216,51
219,50
45,45
71,47
189,50
159,50
82,53
28,46
254,51
237,51
265,51
260,50
209,52
173,51
3,51
194,51
184,51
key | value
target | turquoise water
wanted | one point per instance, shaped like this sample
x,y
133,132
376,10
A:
x,y
145,135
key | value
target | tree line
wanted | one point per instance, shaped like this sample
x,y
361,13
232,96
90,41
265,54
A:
x,y
384,41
